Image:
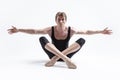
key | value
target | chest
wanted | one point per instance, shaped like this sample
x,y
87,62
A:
x,y
61,35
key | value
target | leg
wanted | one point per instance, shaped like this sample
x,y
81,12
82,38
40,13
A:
x,y
80,42
50,47
43,42
70,51
51,50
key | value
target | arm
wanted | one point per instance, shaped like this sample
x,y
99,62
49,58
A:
x,y
29,31
90,32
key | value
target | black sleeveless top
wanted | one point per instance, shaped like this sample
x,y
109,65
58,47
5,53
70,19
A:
x,y
60,44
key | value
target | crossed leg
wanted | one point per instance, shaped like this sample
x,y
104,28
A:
x,y
50,47
58,54
74,47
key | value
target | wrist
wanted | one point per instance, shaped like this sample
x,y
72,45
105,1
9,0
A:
x,y
100,31
18,30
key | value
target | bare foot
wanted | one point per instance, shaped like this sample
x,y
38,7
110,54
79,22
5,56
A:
x,y
50,63
71,65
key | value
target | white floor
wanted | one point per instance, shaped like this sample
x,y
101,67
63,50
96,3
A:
x,y
32,68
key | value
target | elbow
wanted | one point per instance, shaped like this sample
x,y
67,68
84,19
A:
x,y
89,32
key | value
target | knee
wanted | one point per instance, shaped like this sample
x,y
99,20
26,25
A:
x,y
43,40
81,41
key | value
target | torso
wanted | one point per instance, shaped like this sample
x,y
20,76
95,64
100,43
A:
x,y
60,38
61,35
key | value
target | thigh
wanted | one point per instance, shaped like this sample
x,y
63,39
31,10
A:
x,y
81,42
43,42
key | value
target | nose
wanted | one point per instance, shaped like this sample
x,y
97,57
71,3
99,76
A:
x,y
61,21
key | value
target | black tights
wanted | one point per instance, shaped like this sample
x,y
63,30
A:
x,y
44,41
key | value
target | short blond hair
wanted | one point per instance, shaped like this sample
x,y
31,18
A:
x,y
63,14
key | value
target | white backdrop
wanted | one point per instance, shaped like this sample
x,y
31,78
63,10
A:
x,y
18,49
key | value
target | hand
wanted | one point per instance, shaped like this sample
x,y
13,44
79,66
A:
x,y
12,30
106,31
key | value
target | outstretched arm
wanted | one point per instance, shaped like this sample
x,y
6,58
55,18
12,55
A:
x,y
29,31
90,32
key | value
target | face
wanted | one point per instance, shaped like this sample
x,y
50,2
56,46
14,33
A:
x,y
60,20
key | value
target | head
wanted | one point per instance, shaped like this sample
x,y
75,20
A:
x,y
60,18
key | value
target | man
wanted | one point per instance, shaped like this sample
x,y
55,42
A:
x,y
60,35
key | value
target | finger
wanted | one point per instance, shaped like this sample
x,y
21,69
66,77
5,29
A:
x,y
9,30
106,28
13,27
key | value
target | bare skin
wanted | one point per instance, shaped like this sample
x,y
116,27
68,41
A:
x,y
61,31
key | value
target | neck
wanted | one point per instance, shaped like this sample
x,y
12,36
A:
x,y
60,28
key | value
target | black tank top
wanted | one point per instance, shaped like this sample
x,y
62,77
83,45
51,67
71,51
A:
x,y
60,44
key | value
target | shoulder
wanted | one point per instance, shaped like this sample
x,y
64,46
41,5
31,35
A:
x,y
76,31
72,29
49,30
